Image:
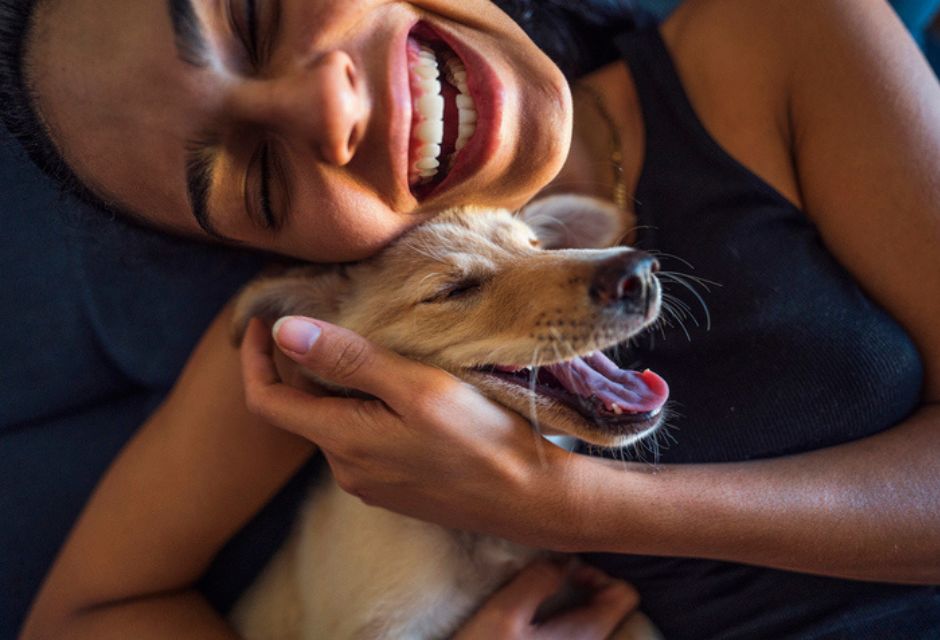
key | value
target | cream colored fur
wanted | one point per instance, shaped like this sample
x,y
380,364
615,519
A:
x,y
470,288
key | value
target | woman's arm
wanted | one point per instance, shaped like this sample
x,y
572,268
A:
x,y
869,510
194,474
862,113
863,109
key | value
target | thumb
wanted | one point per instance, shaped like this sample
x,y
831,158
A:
x,y
611,601
346,359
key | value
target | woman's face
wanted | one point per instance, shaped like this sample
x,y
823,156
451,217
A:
x,y
297,126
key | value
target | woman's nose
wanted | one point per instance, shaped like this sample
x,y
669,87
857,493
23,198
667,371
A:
x,y
322,103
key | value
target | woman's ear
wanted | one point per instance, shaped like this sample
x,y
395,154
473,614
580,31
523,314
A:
x,y
574,222
314,291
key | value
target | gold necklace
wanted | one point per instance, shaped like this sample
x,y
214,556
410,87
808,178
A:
x,y
619,192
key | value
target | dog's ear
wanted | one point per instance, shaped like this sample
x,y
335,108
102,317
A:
x,y
314,291
574,222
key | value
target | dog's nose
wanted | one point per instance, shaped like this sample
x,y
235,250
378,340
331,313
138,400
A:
x,y
625,277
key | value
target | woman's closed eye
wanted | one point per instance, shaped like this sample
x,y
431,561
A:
x,y
254,25
265,189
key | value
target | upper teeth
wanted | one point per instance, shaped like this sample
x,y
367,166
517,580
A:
x,y
429,108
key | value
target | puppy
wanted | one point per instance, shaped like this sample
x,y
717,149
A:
x,y
489,297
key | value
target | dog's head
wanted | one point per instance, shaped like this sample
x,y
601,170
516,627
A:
x,y
477,293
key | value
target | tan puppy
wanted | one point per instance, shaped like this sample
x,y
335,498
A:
x,y
476,293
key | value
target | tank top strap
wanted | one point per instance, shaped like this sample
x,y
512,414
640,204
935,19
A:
x,y
668,116
680,152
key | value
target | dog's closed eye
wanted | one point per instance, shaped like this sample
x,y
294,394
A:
x,y
454,291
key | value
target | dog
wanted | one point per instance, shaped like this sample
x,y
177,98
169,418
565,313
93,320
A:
x,y
494,299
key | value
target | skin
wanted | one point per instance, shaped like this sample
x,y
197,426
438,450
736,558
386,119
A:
x,y
833,106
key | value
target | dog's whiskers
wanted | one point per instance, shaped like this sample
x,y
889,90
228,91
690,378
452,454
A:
x,y
561,340
533,377
687,281
626,234
677,314
533,409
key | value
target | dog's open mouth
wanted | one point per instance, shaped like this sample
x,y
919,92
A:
x,y
616,400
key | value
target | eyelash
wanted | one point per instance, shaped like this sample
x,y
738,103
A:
x,y
246,31
265,182
245,34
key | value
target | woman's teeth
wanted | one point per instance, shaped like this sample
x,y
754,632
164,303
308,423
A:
x,y
428,131
456,74
428,121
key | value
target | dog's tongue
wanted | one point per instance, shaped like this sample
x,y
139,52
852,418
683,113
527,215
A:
x,y
620,390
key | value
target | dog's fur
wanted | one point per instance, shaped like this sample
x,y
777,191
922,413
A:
x,y
470,289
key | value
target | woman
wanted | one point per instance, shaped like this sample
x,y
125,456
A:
x,y
767,113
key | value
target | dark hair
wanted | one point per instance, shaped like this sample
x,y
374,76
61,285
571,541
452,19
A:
x,y
576,34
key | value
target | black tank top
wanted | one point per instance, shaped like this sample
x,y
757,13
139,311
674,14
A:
x,y
791,356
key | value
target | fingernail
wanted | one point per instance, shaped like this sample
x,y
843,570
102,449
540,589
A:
x,y
295,334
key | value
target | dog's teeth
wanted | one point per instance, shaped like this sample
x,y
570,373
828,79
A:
x,y
616,409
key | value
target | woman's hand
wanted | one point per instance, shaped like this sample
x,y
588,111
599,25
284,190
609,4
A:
x,y
429,445
509,613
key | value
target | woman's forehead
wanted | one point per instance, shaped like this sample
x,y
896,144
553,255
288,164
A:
x,y
110,83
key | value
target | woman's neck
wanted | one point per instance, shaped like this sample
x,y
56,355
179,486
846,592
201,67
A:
x,y
607,143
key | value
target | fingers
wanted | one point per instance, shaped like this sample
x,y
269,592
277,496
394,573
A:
x,y
342,357
612,601
530,588
508,613
315,418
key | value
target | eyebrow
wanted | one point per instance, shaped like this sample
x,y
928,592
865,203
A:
x,y
200,161
192,48
191,43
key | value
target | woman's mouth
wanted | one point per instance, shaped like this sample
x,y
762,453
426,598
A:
x,y
444,114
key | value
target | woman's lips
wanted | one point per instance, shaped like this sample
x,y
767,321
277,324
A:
x,y
399,108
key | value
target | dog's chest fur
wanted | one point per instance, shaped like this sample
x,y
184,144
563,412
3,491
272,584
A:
x,y
353,571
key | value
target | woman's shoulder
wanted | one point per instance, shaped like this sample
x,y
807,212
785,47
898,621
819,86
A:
x,y
741,63
734,65
767,37
854,102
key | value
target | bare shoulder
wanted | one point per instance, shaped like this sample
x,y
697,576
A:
x,y
733,66
773,25
857,106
